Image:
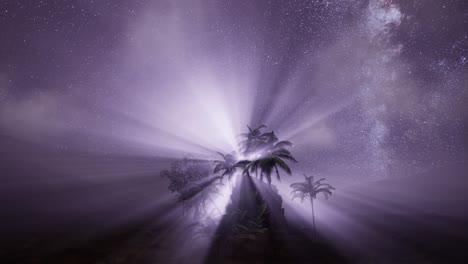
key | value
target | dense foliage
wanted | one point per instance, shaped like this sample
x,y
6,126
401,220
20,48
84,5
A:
x,y
186,172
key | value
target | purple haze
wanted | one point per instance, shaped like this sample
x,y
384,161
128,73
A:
x,y
96,97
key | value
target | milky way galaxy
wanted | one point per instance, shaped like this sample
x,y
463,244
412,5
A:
x,y
105,93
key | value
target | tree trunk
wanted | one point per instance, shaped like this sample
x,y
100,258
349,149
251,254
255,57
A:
x,y
248,198
313,215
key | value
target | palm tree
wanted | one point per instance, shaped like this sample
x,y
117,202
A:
x,y
271,157
310,189
282,144
272,154
228,165
253,133
269,138
252,139
272,160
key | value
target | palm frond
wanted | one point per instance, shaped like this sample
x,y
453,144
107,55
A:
x,y
324,185
219,167
325,191
302,196
283,144
243,164
281,151
318,182
222,155
286,157
299,185
283,165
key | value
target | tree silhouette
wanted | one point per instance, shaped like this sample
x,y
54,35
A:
x,y
186,172
193,182
227,165
269,153
309,189
253,139
190,179
271,161
196,197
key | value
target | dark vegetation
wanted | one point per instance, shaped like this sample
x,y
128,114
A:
x,y
254,226
40,225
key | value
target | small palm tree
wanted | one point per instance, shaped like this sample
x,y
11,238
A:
x,y
269,138
227,165
252,139
310,189
253,132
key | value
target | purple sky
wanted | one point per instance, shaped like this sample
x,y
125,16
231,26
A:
x,y
96,97
362,87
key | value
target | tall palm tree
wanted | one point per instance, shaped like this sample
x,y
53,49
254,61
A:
x,y
310,189
272,154
271,161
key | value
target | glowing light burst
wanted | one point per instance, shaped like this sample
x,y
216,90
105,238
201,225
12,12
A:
x,y
177,89
218,207
201,99
200,116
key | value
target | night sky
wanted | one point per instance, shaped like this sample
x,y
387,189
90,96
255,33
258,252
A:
x,y
94,92
373,88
